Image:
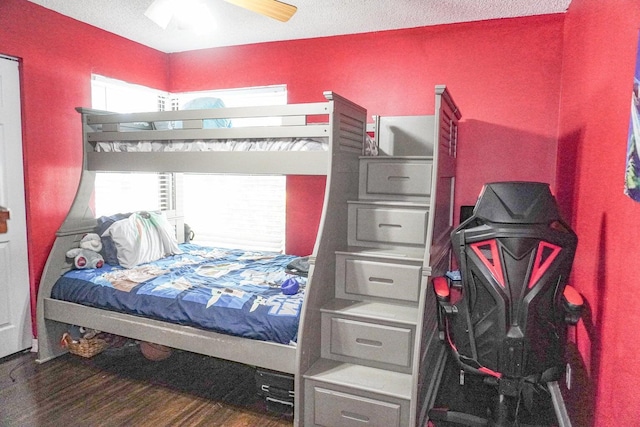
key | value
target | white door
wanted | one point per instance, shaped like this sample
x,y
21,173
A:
x,y
15,311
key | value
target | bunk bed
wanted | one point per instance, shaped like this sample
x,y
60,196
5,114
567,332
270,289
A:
x,y
152,142
367,344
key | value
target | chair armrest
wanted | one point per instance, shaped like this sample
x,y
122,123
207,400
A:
x,y
573,304
441,288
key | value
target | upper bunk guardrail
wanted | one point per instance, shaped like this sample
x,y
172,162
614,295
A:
x,y
339,123
306,109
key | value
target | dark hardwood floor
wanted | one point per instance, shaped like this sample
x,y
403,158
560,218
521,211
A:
x,y
125,389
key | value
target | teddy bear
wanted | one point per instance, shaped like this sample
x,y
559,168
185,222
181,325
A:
x,y
87,255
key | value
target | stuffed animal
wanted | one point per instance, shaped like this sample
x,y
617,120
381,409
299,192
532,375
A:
x,y
91,241
87,255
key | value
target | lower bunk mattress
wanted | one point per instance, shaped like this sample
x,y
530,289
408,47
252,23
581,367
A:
x,y
230,291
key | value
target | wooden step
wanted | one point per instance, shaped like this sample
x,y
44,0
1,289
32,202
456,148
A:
x,y
347,394
389,312
410,254
361,378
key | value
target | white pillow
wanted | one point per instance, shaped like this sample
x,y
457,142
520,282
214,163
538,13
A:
x,y
143,237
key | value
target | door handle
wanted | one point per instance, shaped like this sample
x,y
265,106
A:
x,y
4,216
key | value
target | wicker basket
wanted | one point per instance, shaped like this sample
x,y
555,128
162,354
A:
x,y
85,347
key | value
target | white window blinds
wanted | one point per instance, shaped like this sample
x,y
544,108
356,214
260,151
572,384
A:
x,y
128,192
236,211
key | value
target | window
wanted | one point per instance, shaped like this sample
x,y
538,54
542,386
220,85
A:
x,y
245,97
128,192
236,211
116,95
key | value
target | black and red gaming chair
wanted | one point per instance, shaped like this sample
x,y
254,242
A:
x,y
506,317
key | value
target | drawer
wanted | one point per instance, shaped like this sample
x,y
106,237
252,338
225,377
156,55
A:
x,y
345,394
387,224
371,341
334,408
399,178
362,277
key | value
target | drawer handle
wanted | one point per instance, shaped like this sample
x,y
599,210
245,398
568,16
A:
x,y
398,178
354,416
381,280
282,402
371,343
382,225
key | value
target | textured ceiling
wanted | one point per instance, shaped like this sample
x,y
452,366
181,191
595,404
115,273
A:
x,y
314,18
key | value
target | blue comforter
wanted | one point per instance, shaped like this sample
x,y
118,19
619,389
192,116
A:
x,y
225,290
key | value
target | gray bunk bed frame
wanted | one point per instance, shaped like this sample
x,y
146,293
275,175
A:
x,y
343,125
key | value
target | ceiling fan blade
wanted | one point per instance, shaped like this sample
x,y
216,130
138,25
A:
x,y
272,8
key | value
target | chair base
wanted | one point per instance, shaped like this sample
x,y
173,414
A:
x,y
474,404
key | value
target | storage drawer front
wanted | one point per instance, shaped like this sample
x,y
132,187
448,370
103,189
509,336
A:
x,y
410,179
380,279
333,408
370,341
391,225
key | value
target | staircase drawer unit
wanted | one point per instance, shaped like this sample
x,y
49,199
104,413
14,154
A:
x,y
370,277
370,353
387,224
397,178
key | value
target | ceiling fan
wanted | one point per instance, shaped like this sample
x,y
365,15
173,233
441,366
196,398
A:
x,y
163,11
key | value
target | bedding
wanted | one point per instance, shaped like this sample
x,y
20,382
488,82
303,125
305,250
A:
x,y
230,291
270,144
109,251
142,237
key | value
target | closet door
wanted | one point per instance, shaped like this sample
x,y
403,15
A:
x,y
15,311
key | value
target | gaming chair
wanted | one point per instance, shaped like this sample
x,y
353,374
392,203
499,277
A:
x,y
505,316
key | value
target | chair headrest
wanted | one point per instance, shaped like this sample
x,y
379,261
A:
x,y
517,203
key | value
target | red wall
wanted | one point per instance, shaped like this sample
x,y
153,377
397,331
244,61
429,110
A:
x,y
504,75
58,56
598,64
